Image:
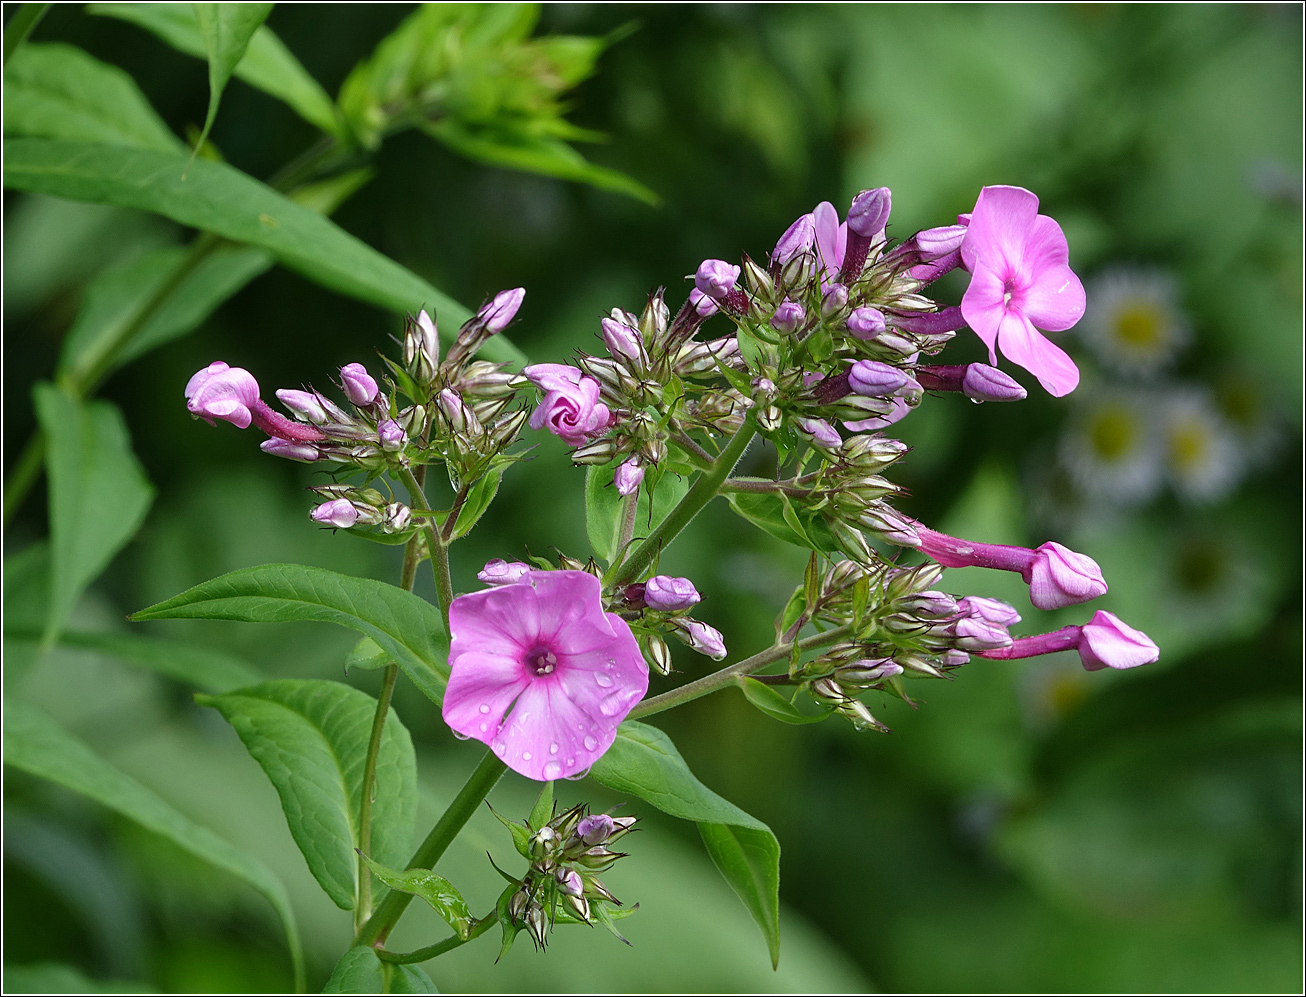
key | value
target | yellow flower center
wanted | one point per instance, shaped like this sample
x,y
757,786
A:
x,y
1140,325
1189,444
1112,433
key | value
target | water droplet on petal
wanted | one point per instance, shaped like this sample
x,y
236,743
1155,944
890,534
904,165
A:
x,y
611,662
571,760
552,770
485,728
553,748
484,708
602,681
591,743
526,756
499,747
463,737
580,775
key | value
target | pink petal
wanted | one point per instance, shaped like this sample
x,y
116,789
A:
x,y
831,237
983,307
1046,246
999,228
1026,347
502,621
565,599
1056,300
548,736
481,688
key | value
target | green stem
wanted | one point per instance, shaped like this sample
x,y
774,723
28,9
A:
x,y
26,470
479,928
726,676
696,455
477,787
746,485
436,546
702,492
21,25
629,510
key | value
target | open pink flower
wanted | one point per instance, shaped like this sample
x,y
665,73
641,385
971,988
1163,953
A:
x,y
570,408
1020,279
540,673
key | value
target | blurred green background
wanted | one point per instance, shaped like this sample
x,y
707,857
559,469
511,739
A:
x,y
1030,827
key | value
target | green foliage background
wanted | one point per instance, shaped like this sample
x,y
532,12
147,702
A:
x,y
1141,832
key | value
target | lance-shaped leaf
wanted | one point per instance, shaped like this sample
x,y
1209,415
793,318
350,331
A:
x,y
775,705
603,506
311,738
226,29
644,762
776,514
223,200
37,745
268,65
406,626
98,493
437,891
59,91
200,668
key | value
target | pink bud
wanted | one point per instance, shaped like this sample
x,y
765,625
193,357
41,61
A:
x,y
874,379
703,306
993,610
305,404
1107,642
666,594
621,340
1059,577
870,212
788,317
716,278
340,513
975,633
702,638
988,384
595,829
501,572
358,385
798,238
501,309
628,477
821,432
391,434
866,323
291,451
934,243
223,392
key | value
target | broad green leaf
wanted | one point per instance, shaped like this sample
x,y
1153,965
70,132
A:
x,y
367,655
643,761
58,91
408,627
37,745
410,979
268,65
775,705
311,737
437,891
98,494
359,971
58,978
603,506
226,29
220,199
534,154
774,513
117,298
199,667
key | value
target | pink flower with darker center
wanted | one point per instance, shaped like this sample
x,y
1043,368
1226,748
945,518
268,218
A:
x,y
540,673
1021,279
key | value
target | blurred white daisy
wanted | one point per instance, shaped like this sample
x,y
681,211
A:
x,y
1202,453
1051,688
1249,412
1111,449
1133,323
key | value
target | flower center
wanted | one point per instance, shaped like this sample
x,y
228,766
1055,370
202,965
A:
x,y
541,660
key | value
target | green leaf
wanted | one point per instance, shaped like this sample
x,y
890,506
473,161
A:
x,y
59,91
437,891
98,494
115,300
221,199
774,513
533,154
359,971
408,627
644,762
367,655
750,861
268,65
502,910
410,979
603,506
227,29
479,497
542,812
37,745
311,738
775,705
58,978
198,667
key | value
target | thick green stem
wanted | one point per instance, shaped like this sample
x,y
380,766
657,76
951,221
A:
x,y
726,676
21,25
762,487
629,510
435,544
439,948
703,491
477,787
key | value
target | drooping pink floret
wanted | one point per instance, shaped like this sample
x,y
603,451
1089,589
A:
x,y
1106,641
570,408
1020,279
540,673
223,392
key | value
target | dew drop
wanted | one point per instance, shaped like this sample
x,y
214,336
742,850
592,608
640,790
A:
x,y
526,756
571,760
602,681
463,737
499,747
591,743
611,662
485,728
553,748
552,770
484,708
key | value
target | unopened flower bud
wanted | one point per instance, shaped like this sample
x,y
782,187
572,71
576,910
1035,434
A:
x,y
518,904
834,301
1060,577
421,346
501,309
703,305
788,317
656,653
929,603
953,658
292,451
871,451
799,271
875,379
716,278
869,212
598,452
916,663
223,392
890,525
595,829
305,404
460,418
501,572
1106,641
622,340
933,243
358,384
395,518
983,383
974,633
867,671
799,237
701,637
894,344
391,434
338,513
543,842
822,434
994,610
666,594
569,882
865,322
628,477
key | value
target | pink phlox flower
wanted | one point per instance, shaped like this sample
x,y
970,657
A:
x,y
223,392
1106,641
540,673
570,410
1021,278
553,376
831,242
